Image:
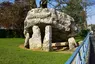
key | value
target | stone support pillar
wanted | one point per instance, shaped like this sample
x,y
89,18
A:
x,y
35,40
47,42
26,44
72,43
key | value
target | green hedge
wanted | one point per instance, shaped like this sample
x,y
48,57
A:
x,y
9,33
80,36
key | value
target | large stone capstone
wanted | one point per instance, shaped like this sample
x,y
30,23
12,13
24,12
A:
x,y
48,26
55,18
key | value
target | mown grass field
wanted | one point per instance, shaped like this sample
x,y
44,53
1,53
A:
x,y
10,53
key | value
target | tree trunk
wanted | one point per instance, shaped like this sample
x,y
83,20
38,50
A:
x,y
32,4
43,3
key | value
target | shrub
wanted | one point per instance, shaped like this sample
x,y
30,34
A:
x,y
9,33
80,36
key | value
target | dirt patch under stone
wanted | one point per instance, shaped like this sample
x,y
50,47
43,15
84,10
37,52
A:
x,y
57,51
22,47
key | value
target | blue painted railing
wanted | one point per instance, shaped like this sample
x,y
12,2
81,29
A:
x,y
81,53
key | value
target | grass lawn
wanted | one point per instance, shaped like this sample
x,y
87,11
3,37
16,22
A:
x,y
10,53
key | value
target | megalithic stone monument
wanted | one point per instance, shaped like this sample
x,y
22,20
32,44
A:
x,y
47,26
47,43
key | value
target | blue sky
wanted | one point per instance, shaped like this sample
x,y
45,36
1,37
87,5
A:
x,y
7,0
91,15
90,11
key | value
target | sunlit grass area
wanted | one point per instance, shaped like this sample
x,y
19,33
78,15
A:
x,y
10,53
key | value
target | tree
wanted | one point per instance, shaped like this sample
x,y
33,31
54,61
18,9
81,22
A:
x,y
74,8
5,14
32,4
43,3
12,16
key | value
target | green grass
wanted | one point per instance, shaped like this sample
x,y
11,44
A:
x,y
10,53
79,39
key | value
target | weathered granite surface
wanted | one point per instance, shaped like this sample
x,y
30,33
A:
x,y
59,25
35,40
72,43
55,18
47,43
